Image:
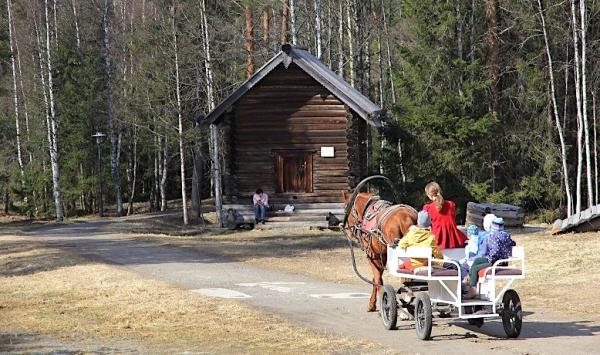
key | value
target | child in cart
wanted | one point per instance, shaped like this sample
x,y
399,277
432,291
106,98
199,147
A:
x,y
498,245
420,235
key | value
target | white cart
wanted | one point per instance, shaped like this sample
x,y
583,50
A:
x,y
428,289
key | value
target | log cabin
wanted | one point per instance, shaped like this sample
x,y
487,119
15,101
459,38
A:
x,y
295,129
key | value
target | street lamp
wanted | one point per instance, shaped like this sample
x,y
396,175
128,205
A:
x,y
99,136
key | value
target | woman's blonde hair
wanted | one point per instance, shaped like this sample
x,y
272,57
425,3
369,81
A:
x,y
434,190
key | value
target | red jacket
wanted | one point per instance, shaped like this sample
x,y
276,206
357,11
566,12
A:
x,y
443,225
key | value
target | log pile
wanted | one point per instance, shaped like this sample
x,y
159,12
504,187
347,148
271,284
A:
x,y
513,215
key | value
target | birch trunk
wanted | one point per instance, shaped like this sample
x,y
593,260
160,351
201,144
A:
x,y
389,53
349,28
53,128
563,150
24,97
595,148
341,39
285,15
365,68
249,42
15,92
401,159
579,113
491,14
180,121
329,42
214,132
293,22
459,46
44,87
472,33
114,140
586,131
163,178
76,20
196,177
55,22
318,27
134,172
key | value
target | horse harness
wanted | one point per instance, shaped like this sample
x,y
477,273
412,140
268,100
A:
x,y
375,213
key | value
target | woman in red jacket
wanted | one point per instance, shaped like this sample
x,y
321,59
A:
x,y
443,223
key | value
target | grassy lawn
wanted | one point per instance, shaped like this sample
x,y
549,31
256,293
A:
x,y
52,293
561,271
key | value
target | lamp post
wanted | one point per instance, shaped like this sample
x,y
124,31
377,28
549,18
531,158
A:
x,y
99,136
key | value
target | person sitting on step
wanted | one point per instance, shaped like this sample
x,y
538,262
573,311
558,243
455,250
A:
x,y
260,200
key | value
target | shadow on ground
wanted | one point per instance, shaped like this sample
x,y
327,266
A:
x,y
25,343
20,257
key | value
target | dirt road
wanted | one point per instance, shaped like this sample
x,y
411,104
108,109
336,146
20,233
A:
x,y
334,308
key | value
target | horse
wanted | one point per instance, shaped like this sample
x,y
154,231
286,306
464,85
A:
x,y
392,224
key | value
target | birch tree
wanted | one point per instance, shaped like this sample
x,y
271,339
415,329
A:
x,y
341,38
293,22
318,26
180,118
563,150
595,148
76,22
114,134
15,92
349,33
578,108
586,130
214,132
53,126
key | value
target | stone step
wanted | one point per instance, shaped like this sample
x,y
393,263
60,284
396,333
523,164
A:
x,y
296,218
297,206
292,224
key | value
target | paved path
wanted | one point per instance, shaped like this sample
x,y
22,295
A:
x,y
337,309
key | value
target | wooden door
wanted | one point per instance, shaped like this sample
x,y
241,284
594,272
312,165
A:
x,y
294,171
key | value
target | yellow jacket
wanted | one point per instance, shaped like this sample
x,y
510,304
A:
x,y
420,237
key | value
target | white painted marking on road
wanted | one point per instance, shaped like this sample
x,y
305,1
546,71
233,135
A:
x,y
342,295
254,284
221,293
279,286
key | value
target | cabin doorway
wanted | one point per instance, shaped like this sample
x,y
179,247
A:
x,y
294,171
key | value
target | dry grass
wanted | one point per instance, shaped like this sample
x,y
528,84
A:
x,y
561,271
57,294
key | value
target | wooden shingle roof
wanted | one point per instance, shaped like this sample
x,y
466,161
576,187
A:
x,y
357,102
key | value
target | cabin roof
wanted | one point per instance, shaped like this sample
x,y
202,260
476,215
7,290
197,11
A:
x,y
312,66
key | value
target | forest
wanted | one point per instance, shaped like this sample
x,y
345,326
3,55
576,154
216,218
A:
x,y
494,99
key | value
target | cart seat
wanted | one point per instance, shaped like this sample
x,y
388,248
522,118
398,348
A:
x,y
424,271
504,271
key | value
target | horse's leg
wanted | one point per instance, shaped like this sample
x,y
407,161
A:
x,y
377,269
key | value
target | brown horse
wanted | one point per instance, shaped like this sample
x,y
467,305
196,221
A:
x,y
395,225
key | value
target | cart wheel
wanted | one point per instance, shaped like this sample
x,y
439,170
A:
x,y
423,317
389,307
512,314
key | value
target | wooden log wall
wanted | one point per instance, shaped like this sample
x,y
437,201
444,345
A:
x,y
289,110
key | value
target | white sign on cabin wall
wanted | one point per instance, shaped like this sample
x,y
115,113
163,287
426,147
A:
x,y
327,152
